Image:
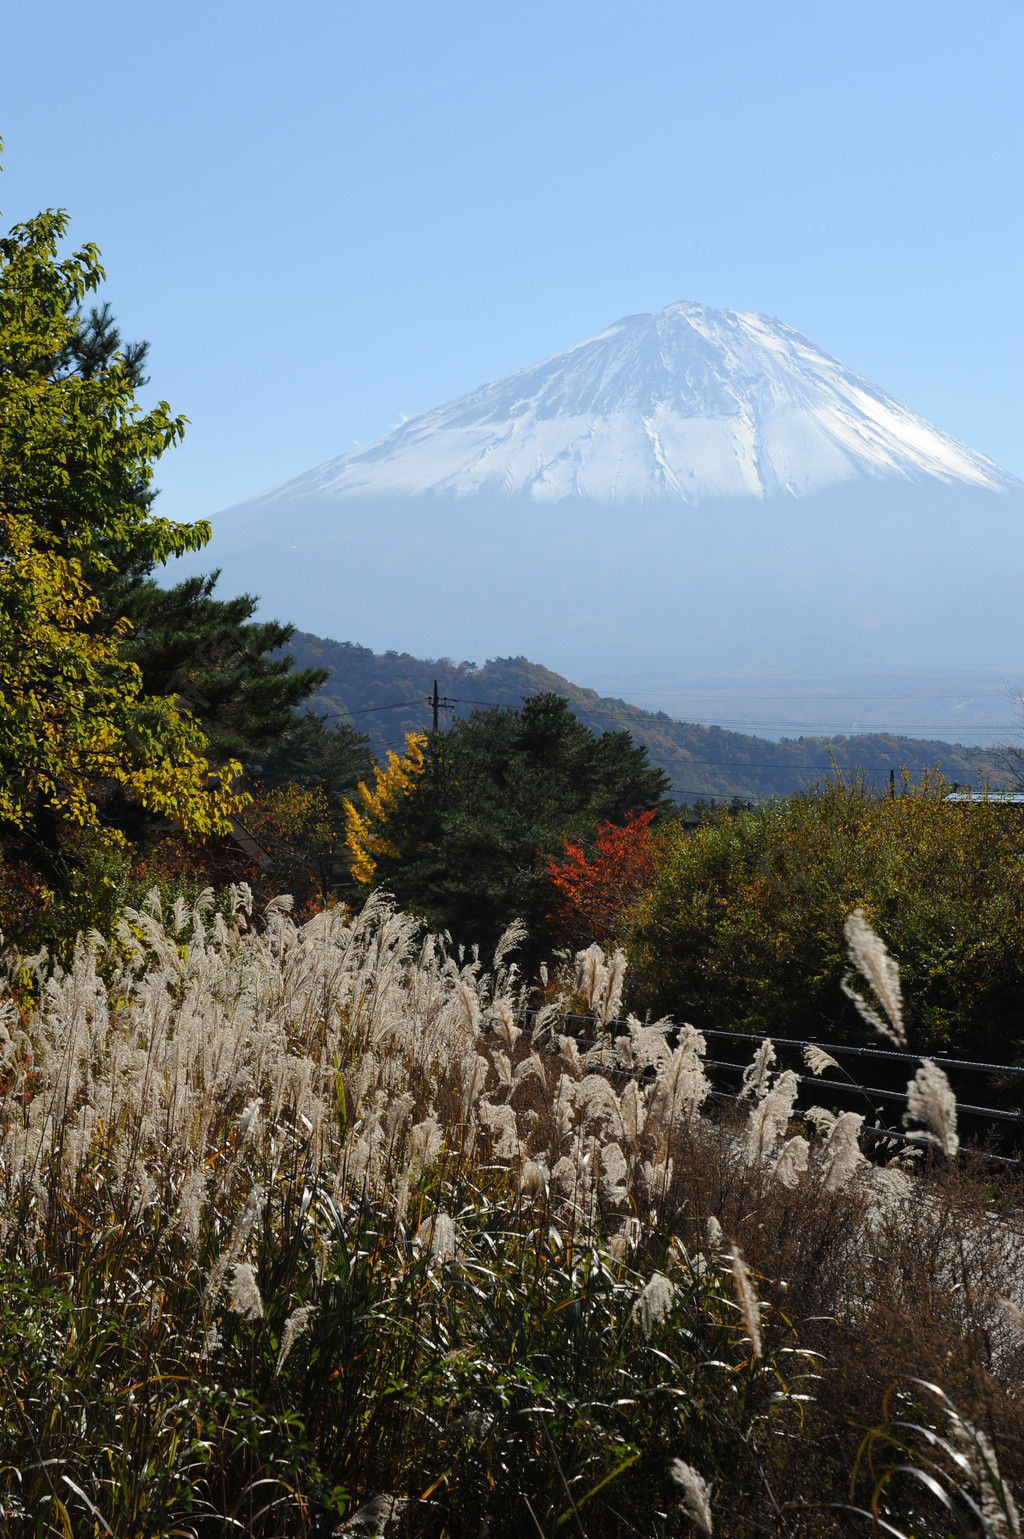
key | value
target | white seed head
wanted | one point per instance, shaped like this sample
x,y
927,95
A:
x,y
821,1119
244,1297
792,1162
500,1122
654,1303
249,1119
817,1060
841,1157
746,1298
756,1078
930,1100
440,1234
534,1180
696,1497
869,955
293,1327
376,1517
770,1118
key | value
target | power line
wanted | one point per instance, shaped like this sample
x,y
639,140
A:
x,y
826,694
366,710
715,796
737,721
888,728
743,764
862,728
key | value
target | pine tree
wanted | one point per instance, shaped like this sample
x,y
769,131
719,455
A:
x,y
228,669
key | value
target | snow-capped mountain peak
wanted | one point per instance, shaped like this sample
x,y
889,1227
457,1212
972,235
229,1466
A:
x,y
685,404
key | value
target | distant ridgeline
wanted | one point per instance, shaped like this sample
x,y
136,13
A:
x,y
386,695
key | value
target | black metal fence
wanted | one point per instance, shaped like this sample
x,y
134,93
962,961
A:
x,y
995,1133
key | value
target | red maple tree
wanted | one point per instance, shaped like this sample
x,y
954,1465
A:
x,y
594,889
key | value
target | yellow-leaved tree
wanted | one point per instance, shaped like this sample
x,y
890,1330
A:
x,y
366,829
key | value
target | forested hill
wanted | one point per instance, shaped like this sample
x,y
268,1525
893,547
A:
x,y
386,696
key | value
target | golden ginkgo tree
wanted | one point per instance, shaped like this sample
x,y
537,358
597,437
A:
x,y
366,826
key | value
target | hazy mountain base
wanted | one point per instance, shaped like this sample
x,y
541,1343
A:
x,y
960,706
873,577
388,692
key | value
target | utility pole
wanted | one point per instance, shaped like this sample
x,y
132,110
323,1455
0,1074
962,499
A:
x,y
437,705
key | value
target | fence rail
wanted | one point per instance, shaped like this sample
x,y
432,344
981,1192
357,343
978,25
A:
x,y
983,1114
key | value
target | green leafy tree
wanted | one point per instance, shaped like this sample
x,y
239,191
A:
x,y
742,926
292,834
465,844
334,757
77,725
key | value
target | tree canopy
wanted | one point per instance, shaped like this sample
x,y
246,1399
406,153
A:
x,y
742,926
595,889
76,465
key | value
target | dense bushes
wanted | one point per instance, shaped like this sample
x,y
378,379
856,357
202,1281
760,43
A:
x,y
742,926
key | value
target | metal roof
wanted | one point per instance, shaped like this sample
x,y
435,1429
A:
x,y
1005,798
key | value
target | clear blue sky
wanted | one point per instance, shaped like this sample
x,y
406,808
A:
x,y
325,216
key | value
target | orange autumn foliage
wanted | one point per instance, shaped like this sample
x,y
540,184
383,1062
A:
x,y
595,889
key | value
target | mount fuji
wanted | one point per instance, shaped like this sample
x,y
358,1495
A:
x,y
693,491
685,405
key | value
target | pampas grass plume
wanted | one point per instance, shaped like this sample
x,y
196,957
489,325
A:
x,y
868,953
817,1060
930,1100
293,1327
654,1303
746,1298
696,1499
755,1075
842,1156
792,1162
769,1120
244,1297
440,1234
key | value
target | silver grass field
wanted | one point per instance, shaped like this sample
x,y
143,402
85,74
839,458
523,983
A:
x,y
315,1230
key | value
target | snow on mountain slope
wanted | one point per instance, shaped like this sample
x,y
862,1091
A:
x,y
683,405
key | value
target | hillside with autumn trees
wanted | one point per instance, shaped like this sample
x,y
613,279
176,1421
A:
x,y
386,695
